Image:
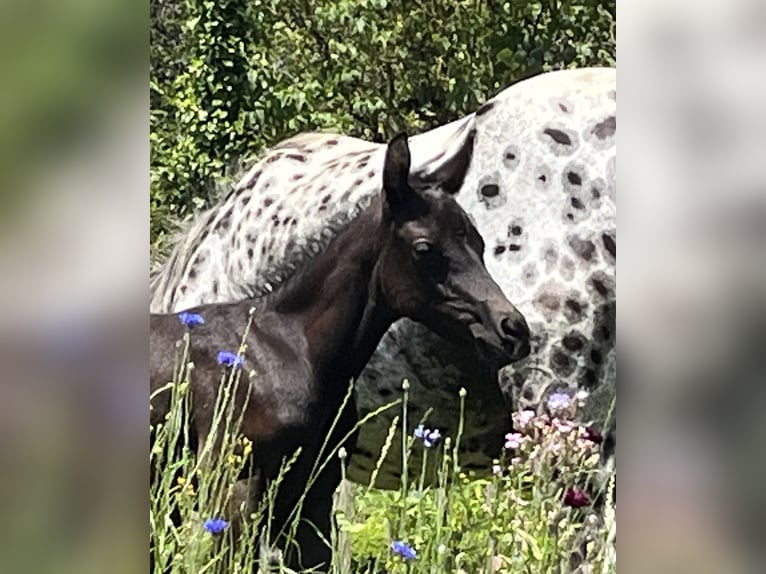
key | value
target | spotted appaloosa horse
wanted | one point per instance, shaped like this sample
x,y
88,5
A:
x,y
412,253
535,169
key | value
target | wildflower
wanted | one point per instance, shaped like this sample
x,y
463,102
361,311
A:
x,y
523,418
497,470
429,437
216,525
190,319
576,498
591,434
229,359
513,440
404,550
559,402
564,427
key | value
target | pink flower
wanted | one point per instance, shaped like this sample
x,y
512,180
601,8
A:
x,y
522,419
564,427
513,440
497,470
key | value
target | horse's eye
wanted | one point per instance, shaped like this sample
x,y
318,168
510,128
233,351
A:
x,y
422,247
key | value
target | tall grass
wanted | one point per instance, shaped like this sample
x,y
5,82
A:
x,y
530,515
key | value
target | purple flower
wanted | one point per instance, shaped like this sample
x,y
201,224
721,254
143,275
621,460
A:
x,y
215,525
191,319
559,401
229,359
429,437
576,498
404,550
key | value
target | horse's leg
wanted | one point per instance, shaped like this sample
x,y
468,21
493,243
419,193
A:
x,y
244,502
314,533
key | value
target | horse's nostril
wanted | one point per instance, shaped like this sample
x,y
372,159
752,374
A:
x,y
514,328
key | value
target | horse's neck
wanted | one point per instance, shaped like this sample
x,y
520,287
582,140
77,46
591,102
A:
x,y
335,299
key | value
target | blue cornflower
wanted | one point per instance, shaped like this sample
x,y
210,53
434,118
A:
x,y
404,550
559,401
191,319
428,436
229,359
216,525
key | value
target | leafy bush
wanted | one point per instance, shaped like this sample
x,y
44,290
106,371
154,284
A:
x,y
230,78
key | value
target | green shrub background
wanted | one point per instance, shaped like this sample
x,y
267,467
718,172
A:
x,y
230,78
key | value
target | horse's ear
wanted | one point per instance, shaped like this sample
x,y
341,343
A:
x,y
396,171
450,171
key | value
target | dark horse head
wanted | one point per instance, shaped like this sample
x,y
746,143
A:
x,y
431,268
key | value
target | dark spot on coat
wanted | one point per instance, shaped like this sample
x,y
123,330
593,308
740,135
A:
x,y
595,356
268,201
595,193
577,204
609,244
332,142
296,157
297,176
485,108
542,178
562,364
490,190
605,128
574,178
558,136
215,287
573,342
574,306
549,301
583,248
590,379
192,273
500,249
326,198
250,253
599,286
371,174
258,212
514,247
245,199
358,182
516,230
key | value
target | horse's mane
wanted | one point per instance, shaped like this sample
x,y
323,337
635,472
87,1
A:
x,y
187,237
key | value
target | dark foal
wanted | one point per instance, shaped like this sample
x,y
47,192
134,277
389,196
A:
x,y
412,253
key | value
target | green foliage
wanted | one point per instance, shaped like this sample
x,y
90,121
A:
x,y
231,78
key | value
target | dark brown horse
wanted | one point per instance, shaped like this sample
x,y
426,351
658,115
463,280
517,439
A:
x,y
412,253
